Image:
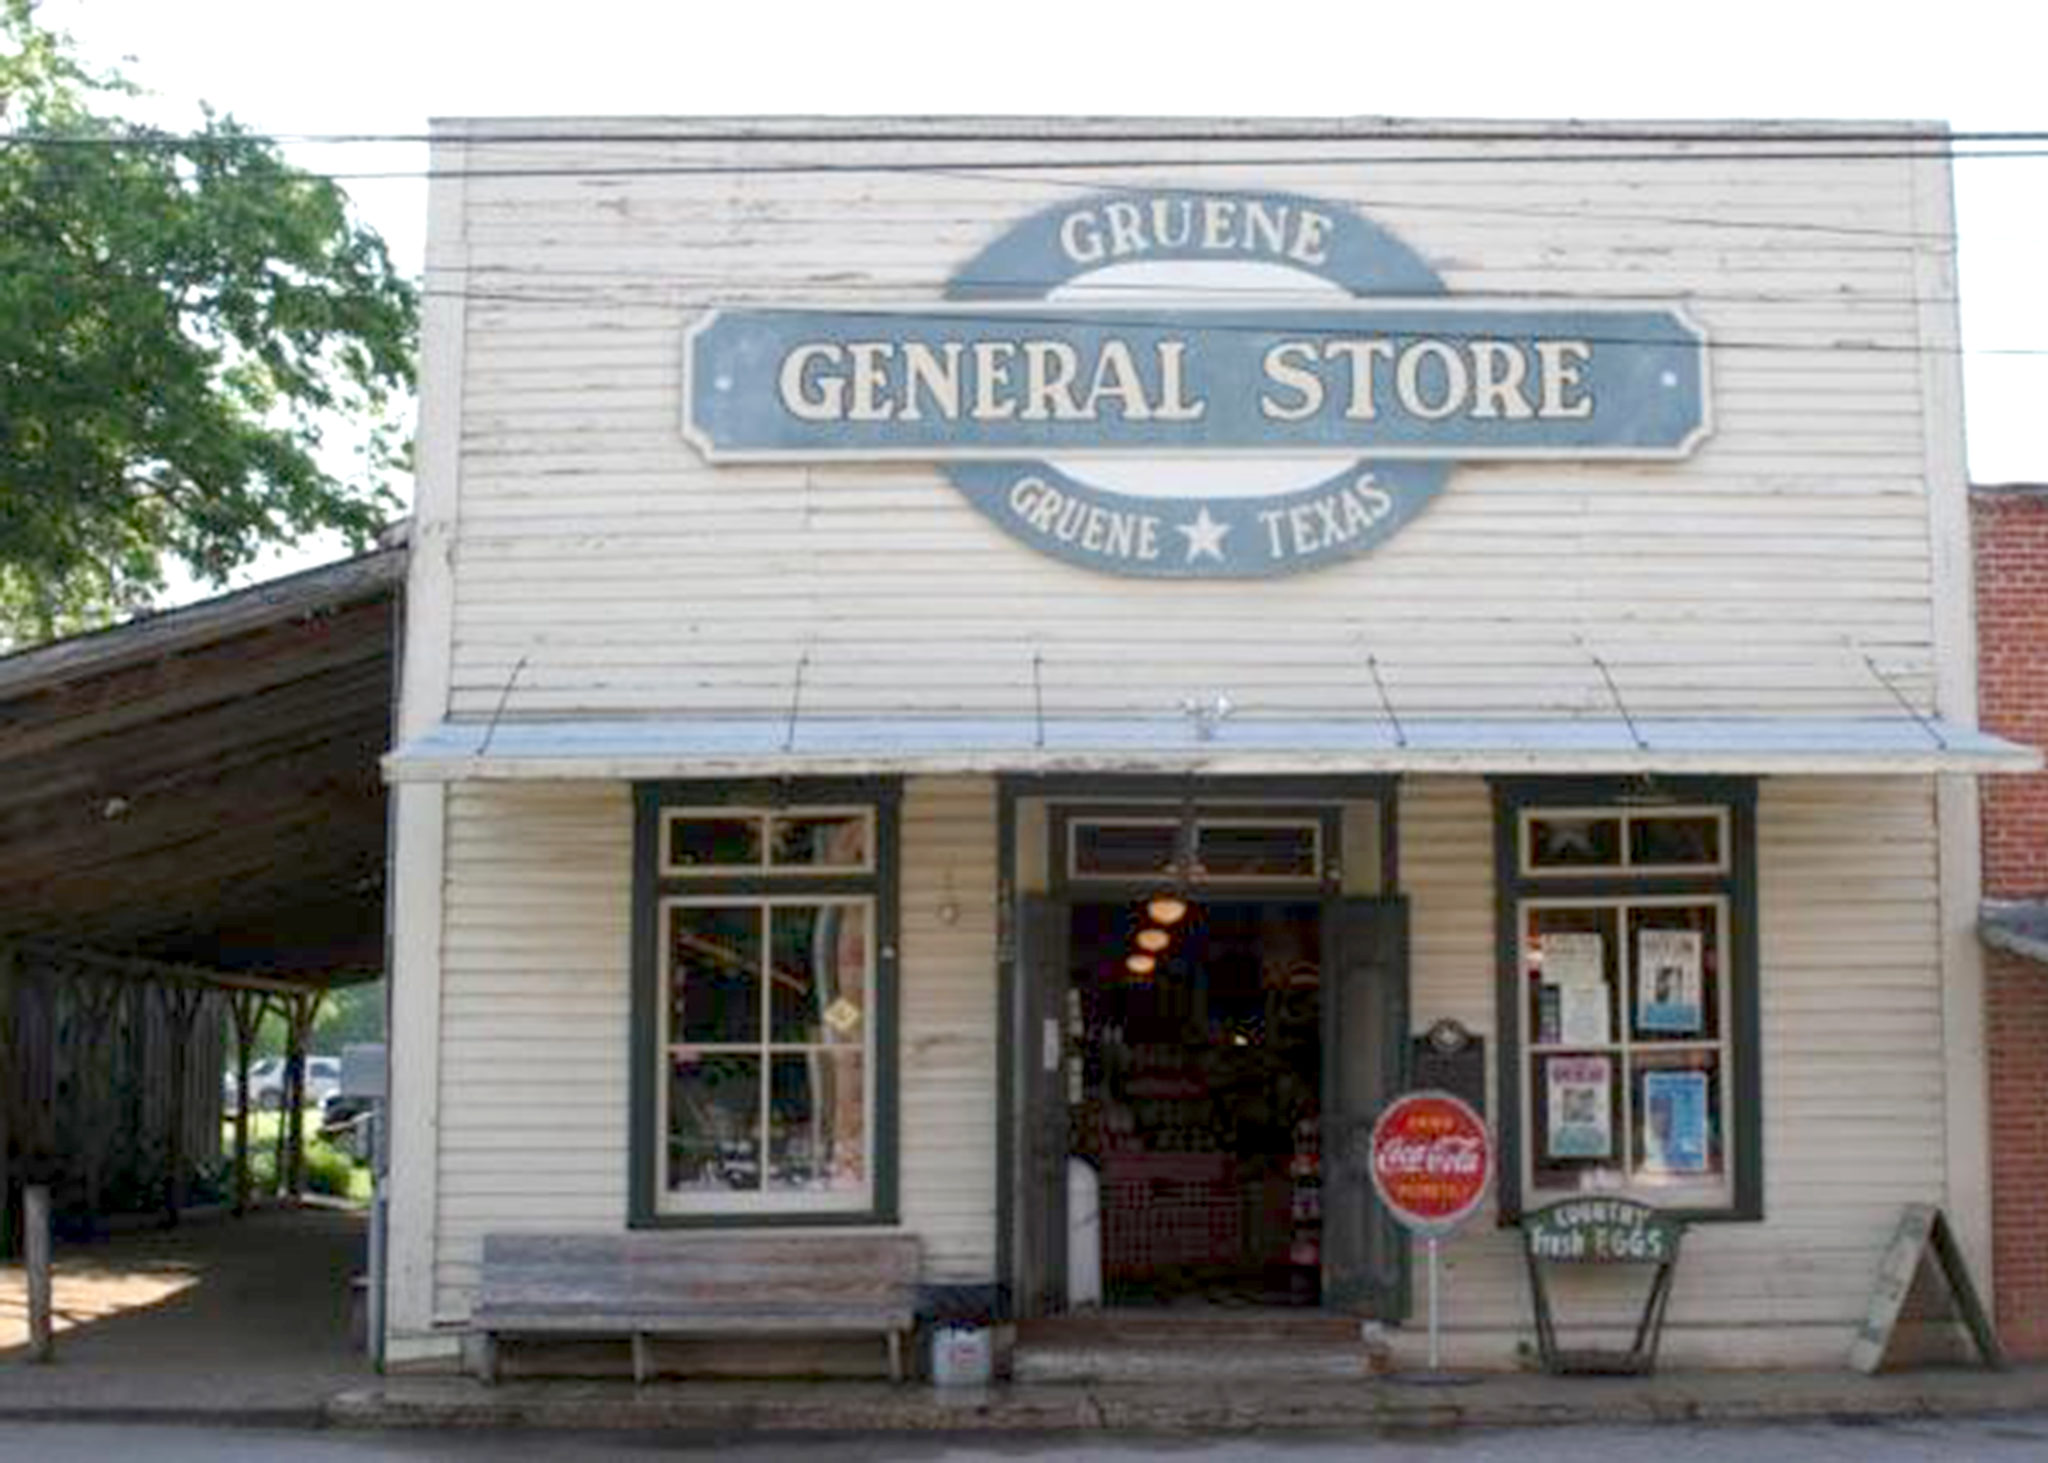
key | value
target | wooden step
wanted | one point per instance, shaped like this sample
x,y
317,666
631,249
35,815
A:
x,y
1221,1324
1212,1344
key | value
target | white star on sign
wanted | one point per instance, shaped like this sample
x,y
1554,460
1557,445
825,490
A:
x,y
1205,536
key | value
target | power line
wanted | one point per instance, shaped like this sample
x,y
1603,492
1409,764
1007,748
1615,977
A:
x,y
664,284
1060,317
769,134
1762,152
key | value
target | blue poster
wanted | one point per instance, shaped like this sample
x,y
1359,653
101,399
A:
x,y
1675,1122
1668,985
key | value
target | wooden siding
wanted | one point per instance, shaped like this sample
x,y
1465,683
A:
x,y
605,569
535,1022
1854,1094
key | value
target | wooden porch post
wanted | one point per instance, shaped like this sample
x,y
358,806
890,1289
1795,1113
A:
x,y
303,1010
10,1079
247,1008
181,1004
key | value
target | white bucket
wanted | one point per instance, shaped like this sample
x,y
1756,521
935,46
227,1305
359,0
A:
x,y
960,1356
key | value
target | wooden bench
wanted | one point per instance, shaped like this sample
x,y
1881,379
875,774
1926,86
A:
x,y
643,1284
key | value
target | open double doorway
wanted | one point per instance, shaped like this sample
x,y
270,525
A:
x,y
1199,1061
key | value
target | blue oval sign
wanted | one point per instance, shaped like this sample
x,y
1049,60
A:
x,y
1181,385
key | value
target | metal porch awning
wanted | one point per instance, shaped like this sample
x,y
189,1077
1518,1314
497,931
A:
x,y
529,748
2017,926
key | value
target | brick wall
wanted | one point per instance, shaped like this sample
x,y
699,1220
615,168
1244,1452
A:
x,y
2011,527
2011,532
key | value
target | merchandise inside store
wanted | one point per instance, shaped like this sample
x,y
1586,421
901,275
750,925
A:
x,y
1201,1027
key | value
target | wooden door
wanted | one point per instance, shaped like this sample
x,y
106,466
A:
x,y
1365,1058
1043,1130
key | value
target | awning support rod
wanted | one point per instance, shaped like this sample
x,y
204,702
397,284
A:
x,y
1905,705
1614,695
1038,696
1386,702
796,698
498,711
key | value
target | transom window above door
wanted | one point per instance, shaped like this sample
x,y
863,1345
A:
x,y
1222,848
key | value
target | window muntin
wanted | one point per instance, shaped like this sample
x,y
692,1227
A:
x,y
1558,842
776,842
1237,850
767,1048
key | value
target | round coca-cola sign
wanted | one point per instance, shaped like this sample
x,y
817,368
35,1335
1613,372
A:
x,y
1431,1160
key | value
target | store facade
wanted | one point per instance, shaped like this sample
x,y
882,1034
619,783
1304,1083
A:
x,y
946,661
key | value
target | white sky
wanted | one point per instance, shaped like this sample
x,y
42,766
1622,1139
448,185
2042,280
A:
x,y
382,66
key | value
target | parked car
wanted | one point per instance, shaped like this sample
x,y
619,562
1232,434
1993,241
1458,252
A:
x,y
344,1123
266,1083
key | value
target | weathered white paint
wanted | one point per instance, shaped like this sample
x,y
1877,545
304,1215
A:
x,y
1968,1104
1852,991
576,559
535,1016
418,814
621,575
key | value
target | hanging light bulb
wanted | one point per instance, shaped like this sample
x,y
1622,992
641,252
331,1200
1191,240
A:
x,y
1166,909
1152,940
1140,964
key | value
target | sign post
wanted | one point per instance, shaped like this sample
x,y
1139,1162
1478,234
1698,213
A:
x,y
1432,1160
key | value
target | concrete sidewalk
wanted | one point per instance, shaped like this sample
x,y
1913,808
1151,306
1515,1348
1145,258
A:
x,y
245,1321
1365,1405
220,1319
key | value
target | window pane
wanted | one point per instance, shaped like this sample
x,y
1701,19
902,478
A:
x,y
827,840
820,956
1564,841
1139,849
714,974
1691,840
714,843
1577,1113
1678,1136
714,1122
1267,851
1677,969
1570,975
817,1123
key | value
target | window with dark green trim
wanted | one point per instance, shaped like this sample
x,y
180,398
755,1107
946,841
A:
x,y
1628,1010
764,1004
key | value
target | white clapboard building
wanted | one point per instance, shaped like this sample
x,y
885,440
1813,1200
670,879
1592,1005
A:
x,y
961,671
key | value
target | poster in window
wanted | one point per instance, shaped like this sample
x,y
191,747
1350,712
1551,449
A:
x,y
1574,958
1580,1107
1668,980
1582,1015
1675,1122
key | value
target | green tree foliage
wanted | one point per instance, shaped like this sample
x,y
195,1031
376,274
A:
x,y
349,1015
182,317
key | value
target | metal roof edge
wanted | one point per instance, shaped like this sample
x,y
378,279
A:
x,y
2017,926
631,749
163,632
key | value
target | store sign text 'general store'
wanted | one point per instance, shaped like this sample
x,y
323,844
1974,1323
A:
x,y
1190,385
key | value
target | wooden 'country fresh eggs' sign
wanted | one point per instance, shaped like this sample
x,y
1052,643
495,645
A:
x,y
1601,1231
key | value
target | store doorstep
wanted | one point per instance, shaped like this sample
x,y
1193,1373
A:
x,y
1134,1346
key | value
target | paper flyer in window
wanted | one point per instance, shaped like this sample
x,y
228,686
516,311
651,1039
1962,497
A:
x,y
1582,1015
1668,981
1675,1122
1580,1108
1573,958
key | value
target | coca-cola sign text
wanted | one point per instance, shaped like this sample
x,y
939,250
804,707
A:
x,y
1431,1160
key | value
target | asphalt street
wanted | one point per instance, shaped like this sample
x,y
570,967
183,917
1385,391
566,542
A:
x,y
2006,1439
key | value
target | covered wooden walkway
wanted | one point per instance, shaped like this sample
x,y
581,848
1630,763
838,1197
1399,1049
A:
x,y
193,820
